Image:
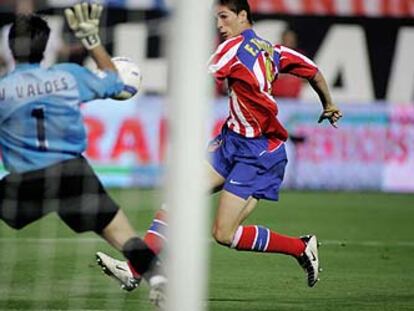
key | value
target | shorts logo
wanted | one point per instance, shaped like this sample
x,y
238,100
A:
x,y
233,182
214,145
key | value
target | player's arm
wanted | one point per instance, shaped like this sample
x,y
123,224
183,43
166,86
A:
x,y
295,63
83,19
102,58
330,111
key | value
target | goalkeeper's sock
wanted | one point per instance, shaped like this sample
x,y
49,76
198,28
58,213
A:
x,y
261,239
155,237
141,258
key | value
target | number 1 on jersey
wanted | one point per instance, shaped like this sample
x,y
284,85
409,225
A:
x,y
39,114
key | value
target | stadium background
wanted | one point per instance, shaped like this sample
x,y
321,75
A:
x,y
365,49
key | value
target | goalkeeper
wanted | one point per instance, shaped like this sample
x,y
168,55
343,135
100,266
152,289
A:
x,y
42,138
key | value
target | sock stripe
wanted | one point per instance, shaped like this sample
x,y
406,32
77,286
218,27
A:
x,y
161,222
262,239
237,237
157,234
268,240
256,233
158,226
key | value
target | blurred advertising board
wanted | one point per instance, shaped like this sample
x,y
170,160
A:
x,y
126,140
373,148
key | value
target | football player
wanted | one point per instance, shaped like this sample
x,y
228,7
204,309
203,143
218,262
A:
x,y
42,138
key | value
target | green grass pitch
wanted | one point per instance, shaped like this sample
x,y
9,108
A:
x,y
367,256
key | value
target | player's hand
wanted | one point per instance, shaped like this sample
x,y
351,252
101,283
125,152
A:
x,y
332,114
84,22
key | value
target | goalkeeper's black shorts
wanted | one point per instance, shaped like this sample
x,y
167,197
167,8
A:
x,y
69,188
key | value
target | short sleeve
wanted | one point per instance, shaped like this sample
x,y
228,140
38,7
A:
x,y
93,86
295,63
222,61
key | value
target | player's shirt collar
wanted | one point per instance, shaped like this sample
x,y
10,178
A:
x,y
25,66
248,31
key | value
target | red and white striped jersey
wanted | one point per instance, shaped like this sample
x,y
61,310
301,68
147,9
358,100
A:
x,y
251,65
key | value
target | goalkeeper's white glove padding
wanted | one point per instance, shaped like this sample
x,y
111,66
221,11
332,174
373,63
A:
x,y
85,23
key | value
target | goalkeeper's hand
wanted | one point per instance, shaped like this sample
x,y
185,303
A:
x,y
85,23
332,114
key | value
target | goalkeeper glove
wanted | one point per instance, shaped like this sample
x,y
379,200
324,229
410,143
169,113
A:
x,y
85,25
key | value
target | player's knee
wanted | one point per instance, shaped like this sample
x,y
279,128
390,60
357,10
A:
x,y
223,235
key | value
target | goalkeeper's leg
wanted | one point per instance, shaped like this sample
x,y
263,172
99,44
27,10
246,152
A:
x,y
140,256
155,236
124,271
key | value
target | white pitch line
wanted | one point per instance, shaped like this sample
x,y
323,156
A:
x,y
98,240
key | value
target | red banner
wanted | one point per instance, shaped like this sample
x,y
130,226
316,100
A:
x,y
369,8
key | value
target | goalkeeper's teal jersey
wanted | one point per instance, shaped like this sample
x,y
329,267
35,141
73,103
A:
x,y
40,119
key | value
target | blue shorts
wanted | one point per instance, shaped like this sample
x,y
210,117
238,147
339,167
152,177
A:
x,y
247,165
